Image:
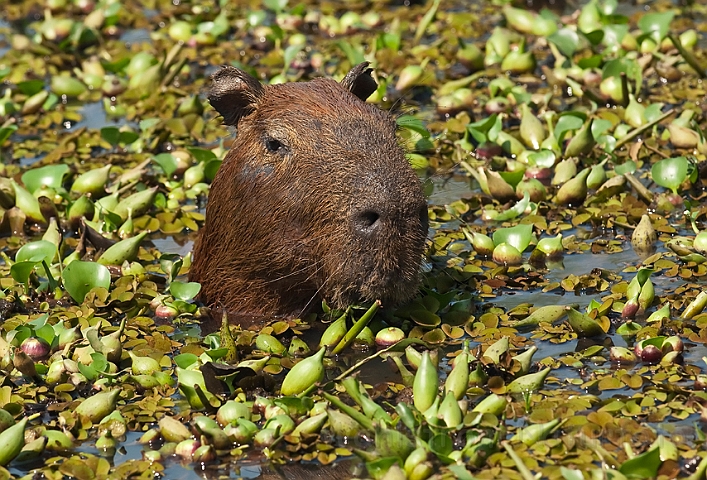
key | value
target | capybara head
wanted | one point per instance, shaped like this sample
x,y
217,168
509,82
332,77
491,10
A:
x,y
314,199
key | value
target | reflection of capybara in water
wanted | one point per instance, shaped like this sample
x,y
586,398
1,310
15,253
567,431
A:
x,y
314,199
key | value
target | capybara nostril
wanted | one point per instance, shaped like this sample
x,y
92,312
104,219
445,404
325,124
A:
x,y
366,221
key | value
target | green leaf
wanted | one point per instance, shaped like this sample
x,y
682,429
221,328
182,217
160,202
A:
x,y
275,5
486,129
417,161
670,172
414,124
628,166
184,290
518,236
516,210
81,277
645,465
628,329
51,176
30,87
111,135
569,474
613,34
568,122
590,62
656,24
291,53
441,445
354,54
595,39
185,360
166,162
542,158
36,252
566,40
127,137
5,132
20,271
211,168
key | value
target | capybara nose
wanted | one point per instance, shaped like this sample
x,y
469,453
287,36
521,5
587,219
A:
x,y
366,221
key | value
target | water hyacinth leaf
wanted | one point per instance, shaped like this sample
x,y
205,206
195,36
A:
x,y
633,71
185,360
566,40
111,135
80,277
656,24
542,158
568,122
627,167
645,465
516,210
670,172
518,236
167,162
37,251
184,290
414,124
485,130
51,176
5,132
20,271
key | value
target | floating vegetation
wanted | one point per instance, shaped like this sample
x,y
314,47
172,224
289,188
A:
x,y
560,330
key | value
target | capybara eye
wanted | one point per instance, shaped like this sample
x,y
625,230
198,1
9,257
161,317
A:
x,y
273,145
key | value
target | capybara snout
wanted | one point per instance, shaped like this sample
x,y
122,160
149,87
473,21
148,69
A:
x,y
314,200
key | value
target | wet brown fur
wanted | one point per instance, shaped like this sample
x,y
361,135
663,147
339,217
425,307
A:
x,y
286,227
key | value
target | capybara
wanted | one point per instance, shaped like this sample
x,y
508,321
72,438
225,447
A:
x,y
314,200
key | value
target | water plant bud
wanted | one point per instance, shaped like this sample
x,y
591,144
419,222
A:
x,y
392,443
342,424
622,355
533,187
532,131
672,344
265,437
458,379
528,383
231,411
551,246
98,406
106,443
409,77
186,448
144,365
425,385
683,137
506,254
11,441
518,62
564,171
389,336
651,354
481,243
36,348
644,235
700,242
66,86
204,454
574,191
304,374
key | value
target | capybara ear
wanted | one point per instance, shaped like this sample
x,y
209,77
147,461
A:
x,y
234,94
359,81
